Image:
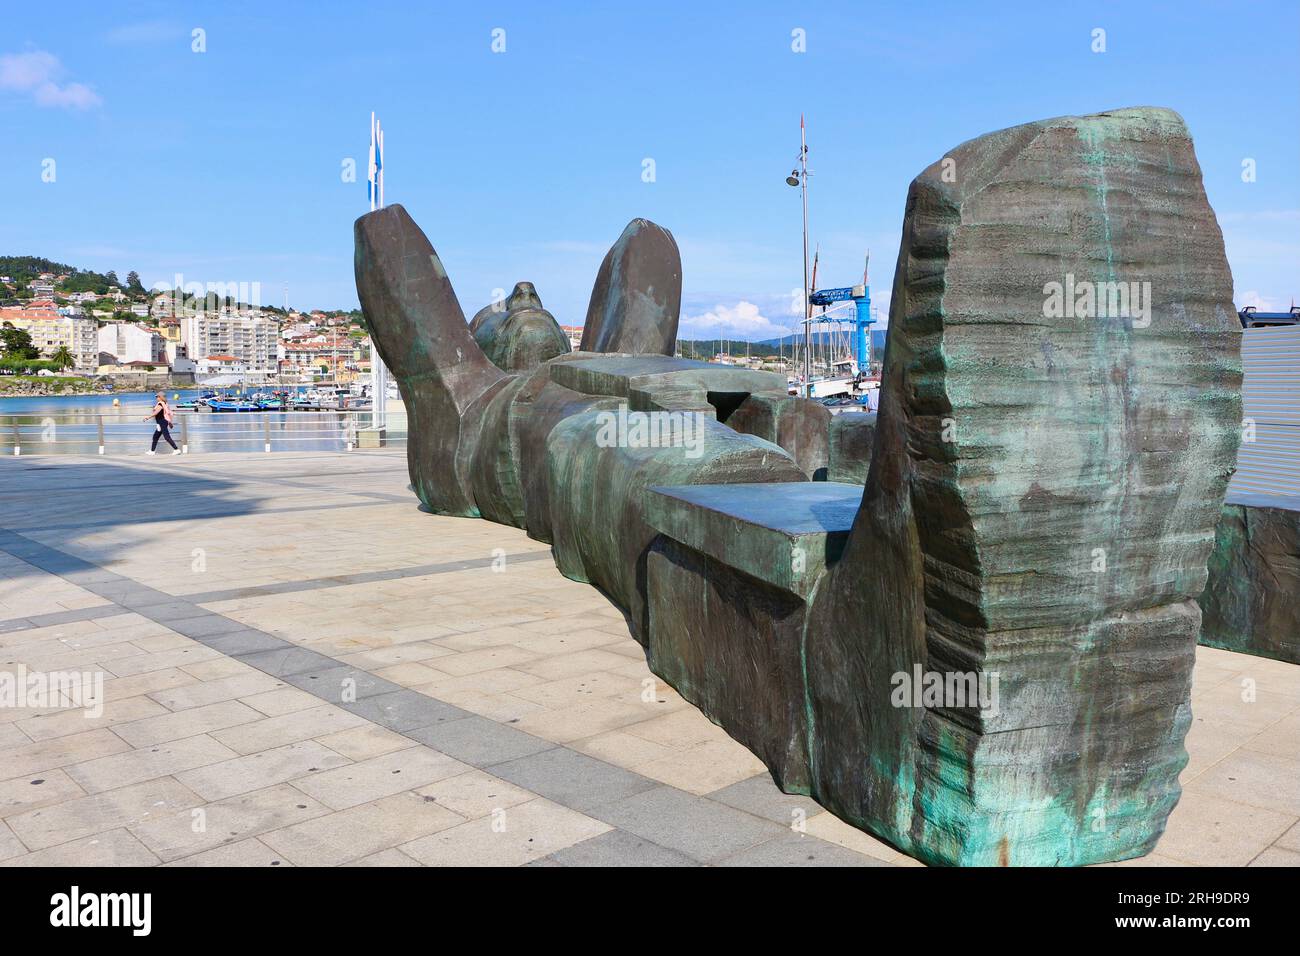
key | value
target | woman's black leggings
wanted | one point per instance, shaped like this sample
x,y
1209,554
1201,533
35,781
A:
x,y
164,431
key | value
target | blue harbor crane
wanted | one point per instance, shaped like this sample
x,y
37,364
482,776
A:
x,y
860,296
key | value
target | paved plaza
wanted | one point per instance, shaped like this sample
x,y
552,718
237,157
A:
x,y
301,668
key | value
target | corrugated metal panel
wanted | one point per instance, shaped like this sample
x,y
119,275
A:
x,y
1270,398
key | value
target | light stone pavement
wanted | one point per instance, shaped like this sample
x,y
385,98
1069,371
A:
x,y
303,669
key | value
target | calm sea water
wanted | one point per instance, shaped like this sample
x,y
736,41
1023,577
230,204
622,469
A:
x,y
69,424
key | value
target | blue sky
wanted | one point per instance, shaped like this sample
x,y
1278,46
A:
x,y
225,165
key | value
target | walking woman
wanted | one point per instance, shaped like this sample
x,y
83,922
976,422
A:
x,y
162,416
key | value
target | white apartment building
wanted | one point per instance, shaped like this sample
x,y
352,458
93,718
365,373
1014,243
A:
x,y
178,358
50,331
127,342
251,341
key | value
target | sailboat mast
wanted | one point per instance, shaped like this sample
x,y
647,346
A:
x,y
807,304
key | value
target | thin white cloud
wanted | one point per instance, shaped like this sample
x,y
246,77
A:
x,y
148,31
743,320
38,74
1261,303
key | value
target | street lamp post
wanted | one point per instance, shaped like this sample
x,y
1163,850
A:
x,y
799,177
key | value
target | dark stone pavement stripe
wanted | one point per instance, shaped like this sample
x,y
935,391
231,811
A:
x,y
130,597
365,577
144,517
672,820
55,618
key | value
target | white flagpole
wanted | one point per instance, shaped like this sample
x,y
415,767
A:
x,y
378,371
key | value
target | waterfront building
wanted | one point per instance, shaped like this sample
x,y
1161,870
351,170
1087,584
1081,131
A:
x,y
51,331
127,342
249,341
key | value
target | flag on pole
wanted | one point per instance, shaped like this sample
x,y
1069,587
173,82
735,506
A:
x,y
371,192
379,161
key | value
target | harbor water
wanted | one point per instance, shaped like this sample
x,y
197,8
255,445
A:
x,y
74,424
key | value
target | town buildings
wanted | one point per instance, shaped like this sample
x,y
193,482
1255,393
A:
x,y
51,331
250,340
123,342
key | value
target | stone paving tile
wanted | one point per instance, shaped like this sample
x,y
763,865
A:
x,y
1255,779
245,640
286,700
1282,739
410,674
250,852
174,835
705,767
796,849
677,730
1247,706
337,684
85,816
514,837
547,644
1209,741
263,769
1205,831
572,779
761,797
124,769
10,845
404,710
565,724
22,794
283,662
287,728
146,684
1276,856
618,848
361,830
485,659
122,655
622,749
699,828
385,858
501,680
114,848
479,741
365,741
186,723
59,752
209,625
401,653
199,694
832,829
216,668
160,642
64,723
475,794
377,777
142,663
1291,839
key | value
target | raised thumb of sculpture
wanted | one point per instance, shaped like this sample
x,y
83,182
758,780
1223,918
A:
x,y
637,298
419,329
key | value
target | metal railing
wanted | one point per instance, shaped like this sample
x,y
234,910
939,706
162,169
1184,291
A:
x,y
202,432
